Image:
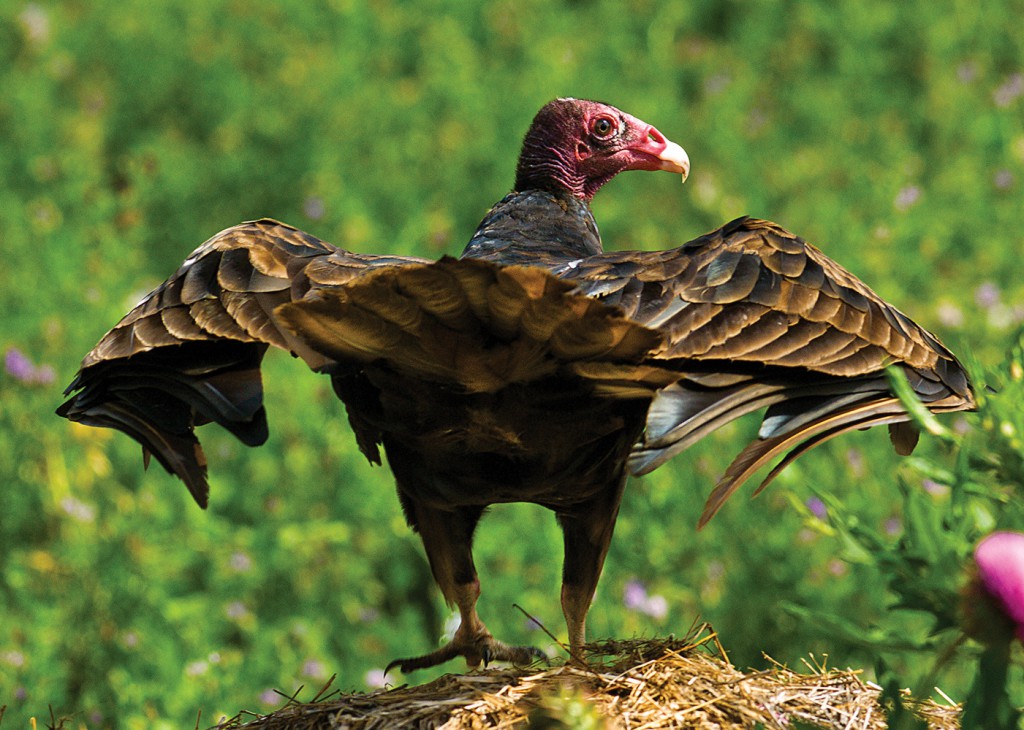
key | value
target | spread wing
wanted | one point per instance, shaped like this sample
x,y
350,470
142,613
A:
x,y
190,352
744,318
753,317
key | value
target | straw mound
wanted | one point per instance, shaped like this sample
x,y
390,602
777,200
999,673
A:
x,y
662,683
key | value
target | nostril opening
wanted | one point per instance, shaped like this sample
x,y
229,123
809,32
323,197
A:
x,y
653,135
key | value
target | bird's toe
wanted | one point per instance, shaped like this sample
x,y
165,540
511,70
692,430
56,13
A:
x,y
495,651
485,649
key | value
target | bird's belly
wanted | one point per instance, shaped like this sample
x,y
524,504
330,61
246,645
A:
x,y
552,443
453,478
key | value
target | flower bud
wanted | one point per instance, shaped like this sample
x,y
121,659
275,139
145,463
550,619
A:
x,y
994,598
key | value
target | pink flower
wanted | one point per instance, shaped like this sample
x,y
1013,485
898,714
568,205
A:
x,y
1000,561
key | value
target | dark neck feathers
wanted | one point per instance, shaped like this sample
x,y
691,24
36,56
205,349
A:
x,y
536,227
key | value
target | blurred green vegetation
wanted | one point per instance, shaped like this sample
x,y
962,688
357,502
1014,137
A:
x,y
891,134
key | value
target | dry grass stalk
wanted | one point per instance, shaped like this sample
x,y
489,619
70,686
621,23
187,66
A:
x,y
633,685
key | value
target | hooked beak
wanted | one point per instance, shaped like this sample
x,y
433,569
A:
x,y
672,157
655,152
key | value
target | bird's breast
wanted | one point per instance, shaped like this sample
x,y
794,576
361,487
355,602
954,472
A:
x,y
550,442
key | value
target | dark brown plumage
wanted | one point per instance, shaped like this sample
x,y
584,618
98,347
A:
x,y
534,368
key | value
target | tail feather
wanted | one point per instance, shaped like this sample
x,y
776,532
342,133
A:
x,y
872,413
802,410
846,415
685,412
700,419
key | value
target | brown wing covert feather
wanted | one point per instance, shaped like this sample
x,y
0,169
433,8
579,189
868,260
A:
x,y
753,317
190,352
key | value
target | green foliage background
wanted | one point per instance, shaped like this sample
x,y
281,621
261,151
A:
x,y
891,134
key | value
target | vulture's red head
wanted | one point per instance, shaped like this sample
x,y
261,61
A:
x,y
575,146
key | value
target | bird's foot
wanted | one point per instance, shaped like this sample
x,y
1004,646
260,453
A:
x,y
483,648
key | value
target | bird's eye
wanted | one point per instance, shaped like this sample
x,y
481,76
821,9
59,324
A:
x,y
602,127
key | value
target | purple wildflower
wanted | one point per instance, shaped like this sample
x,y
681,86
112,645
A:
x,y
314,668
1003,179
635,598
934,488
1000,561
837,567
907,197
270,697
634,595
18,365
817,508
987,295
240,562
1011,90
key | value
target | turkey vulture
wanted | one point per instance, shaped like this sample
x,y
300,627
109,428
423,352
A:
x,y
534,368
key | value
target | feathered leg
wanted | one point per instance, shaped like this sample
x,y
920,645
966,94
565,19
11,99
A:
x,y
448,539
587,533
